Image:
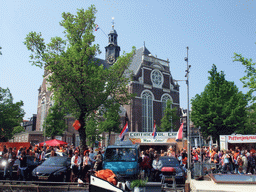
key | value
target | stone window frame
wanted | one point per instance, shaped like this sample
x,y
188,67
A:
x,y
43,113
159,85
147,98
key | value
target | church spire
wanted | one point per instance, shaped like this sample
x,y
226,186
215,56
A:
x,y
112,36
113,23
112,50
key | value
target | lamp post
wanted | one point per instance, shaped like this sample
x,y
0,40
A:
x,y
45,123
201,159
188,123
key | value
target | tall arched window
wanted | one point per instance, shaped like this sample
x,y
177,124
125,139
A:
x,y
43,113
165,98
147,112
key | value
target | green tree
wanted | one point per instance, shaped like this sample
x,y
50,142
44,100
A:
x,y
250,121
111,120
92,129
170,118
55,121
0,51
220,108
77,79
249,80
17,129
11,114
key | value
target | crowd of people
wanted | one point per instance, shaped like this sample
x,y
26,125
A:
x,y
81,160
236,160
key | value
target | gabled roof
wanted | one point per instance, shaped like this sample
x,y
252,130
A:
x,y
135,63
137,58
102,62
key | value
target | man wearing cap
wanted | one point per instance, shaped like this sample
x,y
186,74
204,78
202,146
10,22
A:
x,y
75,163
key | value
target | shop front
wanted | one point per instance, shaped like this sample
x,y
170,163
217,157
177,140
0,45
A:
x,y
162,141
241,141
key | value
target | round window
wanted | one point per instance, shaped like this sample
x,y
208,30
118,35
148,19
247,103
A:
x,y
156,78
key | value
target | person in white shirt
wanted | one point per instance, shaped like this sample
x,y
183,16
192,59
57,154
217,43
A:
x,y
87,164
92,157
157,166
75,163
42,156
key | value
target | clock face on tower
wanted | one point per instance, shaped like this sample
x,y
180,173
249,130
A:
x,y
111,59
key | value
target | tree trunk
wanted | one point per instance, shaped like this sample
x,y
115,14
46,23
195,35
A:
x,y
82,134
109,133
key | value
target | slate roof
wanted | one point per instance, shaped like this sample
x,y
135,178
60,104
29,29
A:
x,y
102,62
137,58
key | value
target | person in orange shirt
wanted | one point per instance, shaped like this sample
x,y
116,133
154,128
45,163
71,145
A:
x,y
162,153
252,150
184,159
212,155
236,154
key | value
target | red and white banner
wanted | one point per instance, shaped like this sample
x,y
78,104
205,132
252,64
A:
x,y
125,129
180,133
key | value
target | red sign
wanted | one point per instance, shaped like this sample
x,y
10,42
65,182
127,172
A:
x,y
242,139
76,125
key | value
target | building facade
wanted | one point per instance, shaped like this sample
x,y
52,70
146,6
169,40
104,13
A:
x,y
152,83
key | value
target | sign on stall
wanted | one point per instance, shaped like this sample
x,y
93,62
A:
x,y
241,139
225,139
147,137
150,134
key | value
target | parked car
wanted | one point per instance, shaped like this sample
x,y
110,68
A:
x,y
32,163
53,169
59,154
168,162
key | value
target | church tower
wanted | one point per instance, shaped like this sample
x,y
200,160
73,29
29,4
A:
x,y
112,50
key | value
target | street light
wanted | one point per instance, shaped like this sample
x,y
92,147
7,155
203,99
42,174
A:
x,y
188,123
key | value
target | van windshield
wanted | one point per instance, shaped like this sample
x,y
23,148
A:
x,y
120,154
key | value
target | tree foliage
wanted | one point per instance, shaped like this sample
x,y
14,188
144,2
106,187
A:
x,y
170,118
0,51
249,80
55,121
92,129
220,108
77,78
11,114
111,120
250,121
17,129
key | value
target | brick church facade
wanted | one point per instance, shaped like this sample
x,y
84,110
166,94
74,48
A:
x,y
152,83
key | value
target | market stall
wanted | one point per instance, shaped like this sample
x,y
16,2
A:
x,y
162,141
241,141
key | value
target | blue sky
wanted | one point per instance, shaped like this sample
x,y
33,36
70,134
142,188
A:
x,y
213,30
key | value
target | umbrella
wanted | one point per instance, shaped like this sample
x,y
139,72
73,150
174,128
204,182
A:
x,y
54,142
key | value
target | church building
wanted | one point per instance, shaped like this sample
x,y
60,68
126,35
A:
x,y
152,83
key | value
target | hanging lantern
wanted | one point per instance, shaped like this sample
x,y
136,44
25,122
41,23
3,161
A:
x,y
76,125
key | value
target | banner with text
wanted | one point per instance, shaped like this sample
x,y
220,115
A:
x,y
147,137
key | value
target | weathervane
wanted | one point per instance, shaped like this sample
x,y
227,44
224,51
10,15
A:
x,y
113,23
